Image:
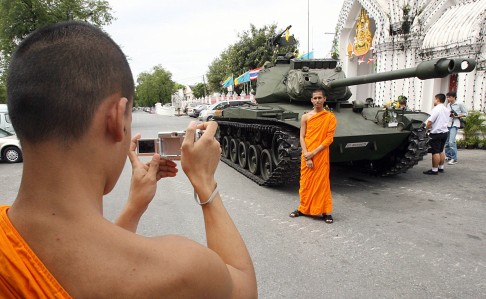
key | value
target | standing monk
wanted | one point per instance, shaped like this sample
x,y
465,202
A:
x,y
316,135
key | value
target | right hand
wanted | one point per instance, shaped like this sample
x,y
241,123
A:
x,y
309,163
199,159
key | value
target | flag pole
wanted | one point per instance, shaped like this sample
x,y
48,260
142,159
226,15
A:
x,y
308,37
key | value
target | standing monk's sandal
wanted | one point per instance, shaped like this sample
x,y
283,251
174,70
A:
x,y
296,213
327,218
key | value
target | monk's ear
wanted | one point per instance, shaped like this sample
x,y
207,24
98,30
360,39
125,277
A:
x,y
117,120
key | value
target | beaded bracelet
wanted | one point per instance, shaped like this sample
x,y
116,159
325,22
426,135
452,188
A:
x,y
213,195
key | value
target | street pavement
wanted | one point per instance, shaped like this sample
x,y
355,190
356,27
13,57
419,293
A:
x,y
410,235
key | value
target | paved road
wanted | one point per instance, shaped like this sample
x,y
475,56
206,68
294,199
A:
x,y
412,235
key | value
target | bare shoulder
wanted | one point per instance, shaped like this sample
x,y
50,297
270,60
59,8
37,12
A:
x,y
176,267
306,116
133,266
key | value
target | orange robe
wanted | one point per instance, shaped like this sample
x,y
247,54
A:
x,y
22,274
315,187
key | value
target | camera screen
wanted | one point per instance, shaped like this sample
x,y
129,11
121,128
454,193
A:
x,y
146,146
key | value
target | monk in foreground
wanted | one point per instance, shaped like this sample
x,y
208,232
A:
x,y
316,135
70,94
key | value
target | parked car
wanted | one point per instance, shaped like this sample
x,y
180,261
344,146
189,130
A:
x,y
208,114
10,150
189,107
198,109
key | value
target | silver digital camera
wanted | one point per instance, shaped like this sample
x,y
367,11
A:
x,y
168,145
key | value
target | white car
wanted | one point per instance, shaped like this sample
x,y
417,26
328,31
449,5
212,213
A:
x,y
208,114
10,150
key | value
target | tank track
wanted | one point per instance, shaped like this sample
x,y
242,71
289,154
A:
x,y
286,167
282,143
400,162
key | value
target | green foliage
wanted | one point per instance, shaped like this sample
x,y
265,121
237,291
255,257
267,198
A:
x,y
249,52
474,124
474,129
178,86
199,90
335,44
154,87
3,94
461,143
20,17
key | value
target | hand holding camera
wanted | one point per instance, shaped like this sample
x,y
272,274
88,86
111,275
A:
x,y
200,158
454,114
168,145
199,154
144,181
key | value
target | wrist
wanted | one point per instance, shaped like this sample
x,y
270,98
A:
x,y
133,209
205,190
202,201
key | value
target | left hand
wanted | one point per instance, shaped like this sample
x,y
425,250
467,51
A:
x,y
309,155
145,176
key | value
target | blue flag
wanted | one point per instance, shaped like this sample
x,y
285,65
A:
x,y
228,82
309,55
243,78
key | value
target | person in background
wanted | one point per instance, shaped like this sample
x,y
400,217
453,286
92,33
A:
x,y
402,103
457,111
437,124
316,135
70,94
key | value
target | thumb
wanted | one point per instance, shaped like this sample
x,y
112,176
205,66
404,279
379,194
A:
x,y
154,165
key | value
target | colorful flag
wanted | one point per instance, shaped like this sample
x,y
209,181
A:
x,y
243,78
309,55
228,82
254,74
287,34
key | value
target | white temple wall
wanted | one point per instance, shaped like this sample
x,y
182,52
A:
x,y
363,91
479,98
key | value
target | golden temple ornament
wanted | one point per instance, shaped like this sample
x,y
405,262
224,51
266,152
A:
x,y
363,39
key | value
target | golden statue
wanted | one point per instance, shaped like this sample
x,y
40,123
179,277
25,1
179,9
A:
x,y
363,39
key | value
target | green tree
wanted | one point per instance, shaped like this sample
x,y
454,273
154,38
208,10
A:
x,y
199,90
249,52
154,87
21,17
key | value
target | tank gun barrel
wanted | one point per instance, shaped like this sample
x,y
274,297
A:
x,y
425,70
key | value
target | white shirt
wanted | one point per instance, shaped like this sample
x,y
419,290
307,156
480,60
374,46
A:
x,y
439,116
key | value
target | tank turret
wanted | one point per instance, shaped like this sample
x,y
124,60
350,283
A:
x,y
262,142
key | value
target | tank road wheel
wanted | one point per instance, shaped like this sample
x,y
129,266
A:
x,y
278,148
266,165
233,150
243,154
258,136
225,146
254,152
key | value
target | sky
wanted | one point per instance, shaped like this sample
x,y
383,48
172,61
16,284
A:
x,y
185,36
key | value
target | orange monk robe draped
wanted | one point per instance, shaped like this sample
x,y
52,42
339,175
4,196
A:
x,y
315,188
22,274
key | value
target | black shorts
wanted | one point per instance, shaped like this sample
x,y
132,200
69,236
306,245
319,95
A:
x,y
437,142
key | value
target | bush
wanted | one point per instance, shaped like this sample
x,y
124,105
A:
x,y
472,142
461,143
474,126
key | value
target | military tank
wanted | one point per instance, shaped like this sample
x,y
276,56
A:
x,y
262,141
